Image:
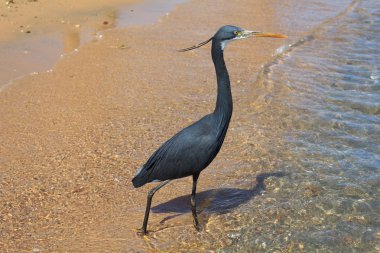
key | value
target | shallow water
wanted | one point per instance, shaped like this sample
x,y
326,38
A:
x,y
302,173
325,93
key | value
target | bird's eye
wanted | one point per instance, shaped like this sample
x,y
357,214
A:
x,y
237,33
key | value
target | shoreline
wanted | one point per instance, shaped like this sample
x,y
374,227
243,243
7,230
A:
x,y
37,34
22,17
72,138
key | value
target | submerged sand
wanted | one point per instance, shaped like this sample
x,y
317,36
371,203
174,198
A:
x,y
72,139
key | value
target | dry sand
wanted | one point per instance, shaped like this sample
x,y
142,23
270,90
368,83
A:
x,y
72,139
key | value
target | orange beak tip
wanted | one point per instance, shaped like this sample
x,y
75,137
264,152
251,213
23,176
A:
x,y
271,35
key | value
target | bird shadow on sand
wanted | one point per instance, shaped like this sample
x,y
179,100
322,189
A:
x,y
220,200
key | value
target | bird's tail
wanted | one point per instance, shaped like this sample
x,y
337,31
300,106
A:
x,y
138,182
140,178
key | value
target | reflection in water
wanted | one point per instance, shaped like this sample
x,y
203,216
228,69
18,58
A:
x,y
73,38
38,52
71,41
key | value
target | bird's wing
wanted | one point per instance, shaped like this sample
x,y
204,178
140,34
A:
x,y
185,153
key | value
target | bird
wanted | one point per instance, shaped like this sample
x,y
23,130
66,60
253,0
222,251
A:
x,y
193,148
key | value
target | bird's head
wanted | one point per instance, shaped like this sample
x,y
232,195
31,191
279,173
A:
x,y
229,33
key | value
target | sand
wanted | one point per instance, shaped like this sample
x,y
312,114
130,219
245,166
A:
x,y
20,17
72,138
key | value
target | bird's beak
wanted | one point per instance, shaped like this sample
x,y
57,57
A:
x,y
263,34
245,34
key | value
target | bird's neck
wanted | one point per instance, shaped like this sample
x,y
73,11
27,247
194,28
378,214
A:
x,y
223,107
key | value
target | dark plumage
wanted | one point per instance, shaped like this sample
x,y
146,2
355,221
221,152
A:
x,y
186,153
192,149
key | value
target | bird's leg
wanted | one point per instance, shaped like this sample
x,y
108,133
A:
x,y
148,204
193,205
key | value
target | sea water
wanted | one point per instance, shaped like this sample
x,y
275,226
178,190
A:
x,y
325,195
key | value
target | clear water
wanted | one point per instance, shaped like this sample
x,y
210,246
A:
x,y
325,92
302,173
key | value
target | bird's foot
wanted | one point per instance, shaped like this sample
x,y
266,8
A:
x,y
198,227
141,231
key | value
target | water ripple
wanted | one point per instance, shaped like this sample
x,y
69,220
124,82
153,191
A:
x,y
329,201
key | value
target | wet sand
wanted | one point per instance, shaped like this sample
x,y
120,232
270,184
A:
x,y
20,17
72,138
36,34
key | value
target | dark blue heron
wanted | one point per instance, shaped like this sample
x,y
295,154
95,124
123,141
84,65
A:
x,y
192,149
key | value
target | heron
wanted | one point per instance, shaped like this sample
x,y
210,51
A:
x,y
192,149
